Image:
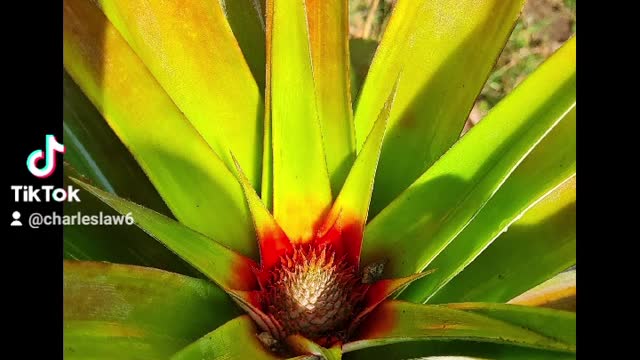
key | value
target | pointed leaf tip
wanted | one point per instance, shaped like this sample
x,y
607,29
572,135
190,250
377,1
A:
x,y
181,165
348,216
548,166
383,289
537,246
272,240
472,171
225,267
447,59
328,22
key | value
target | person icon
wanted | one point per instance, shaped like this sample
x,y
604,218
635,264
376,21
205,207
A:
x,y
16,219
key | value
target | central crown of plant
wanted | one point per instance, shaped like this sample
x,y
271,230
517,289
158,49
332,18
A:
x,y
312,292
314,288
309,283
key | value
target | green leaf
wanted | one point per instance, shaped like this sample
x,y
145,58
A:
x,y
328,22
195,184
145,297
535,248
225,267
95,151
129,312
301,189
349,212
397,321
237,339
98,340
380,290
272,240
113,243
455,350
246,18
191,50
420,223
448,59
548,166
558,292
555,324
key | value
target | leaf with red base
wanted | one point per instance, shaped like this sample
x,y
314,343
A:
x,y
225,267
301,187
381,290
344,225
272,240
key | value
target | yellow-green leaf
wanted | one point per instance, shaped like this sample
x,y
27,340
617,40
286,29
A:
x,y
329,38
349,212
558,292
301,189
100,340
272,240
535,248
190,49
420,223
96,152
237,339
447,48
555,324
548,166
196,185
225,267
112,243
128,312
398,321
455,350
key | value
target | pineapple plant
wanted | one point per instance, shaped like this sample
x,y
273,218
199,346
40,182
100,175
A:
x,y
284,211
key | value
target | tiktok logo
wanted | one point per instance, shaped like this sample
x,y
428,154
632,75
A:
x,y
49,155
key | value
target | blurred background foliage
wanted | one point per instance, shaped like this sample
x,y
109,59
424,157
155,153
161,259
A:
x,y
543,26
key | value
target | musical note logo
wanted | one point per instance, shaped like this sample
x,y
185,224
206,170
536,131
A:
x,y
49,155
